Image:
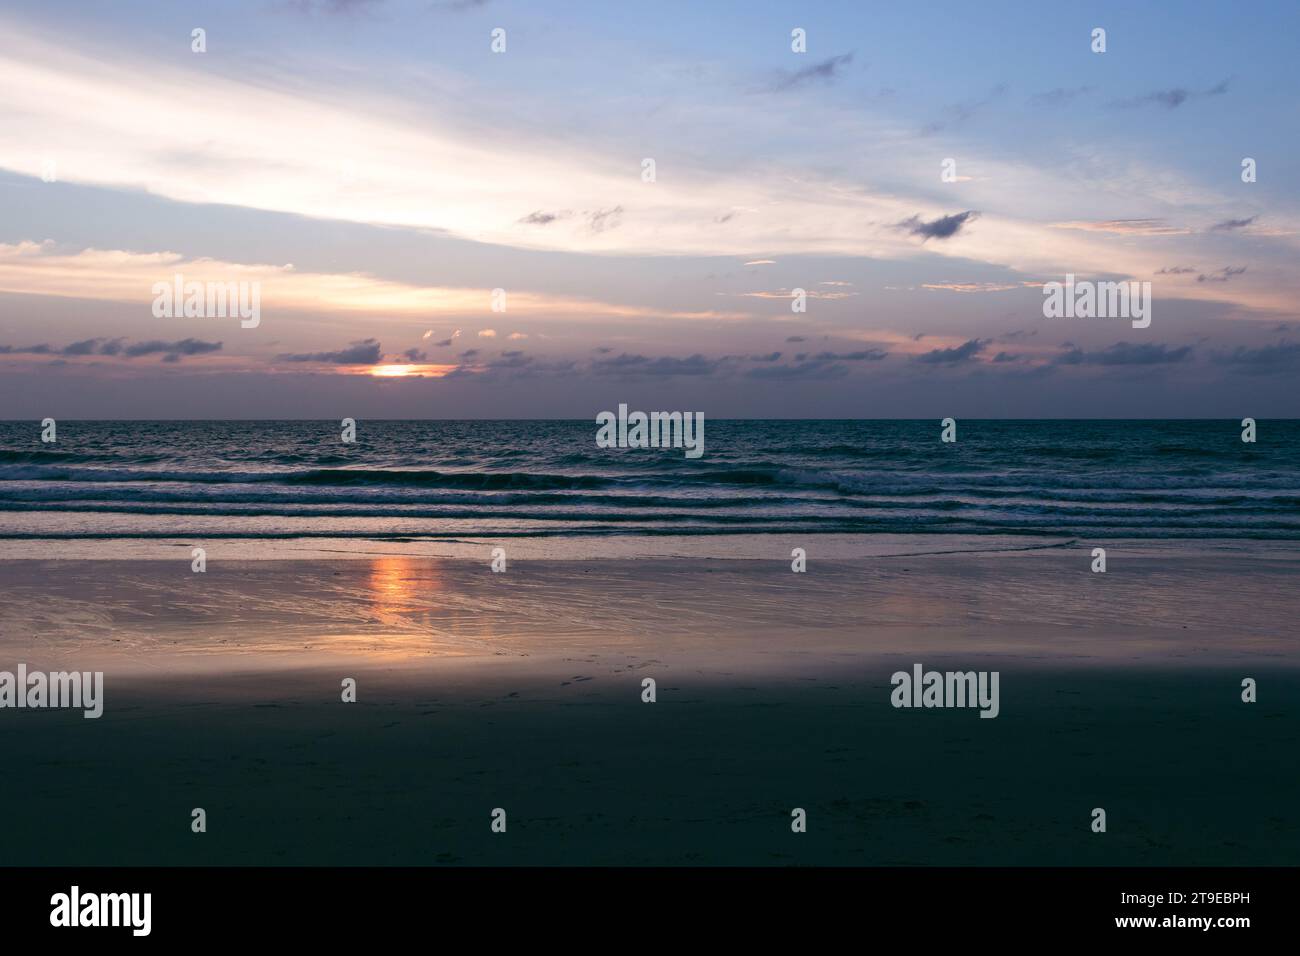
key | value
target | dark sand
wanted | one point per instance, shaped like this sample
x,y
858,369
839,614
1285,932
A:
x,y
522,691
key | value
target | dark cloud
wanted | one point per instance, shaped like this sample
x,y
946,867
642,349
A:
x,y
1172,98
866,355
540,218
1229,224
84,347
1176,270
770,357
364,352
1125,353
414,355
1222,275
1269,358
961,353
117,347
942,228
796,338
826,71
1003,357
183,347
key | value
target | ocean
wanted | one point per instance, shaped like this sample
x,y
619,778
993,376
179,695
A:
x,y
407,480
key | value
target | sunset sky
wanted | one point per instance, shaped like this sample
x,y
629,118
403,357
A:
x,y
380,171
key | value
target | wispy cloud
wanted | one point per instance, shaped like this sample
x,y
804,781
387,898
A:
x,y
962,353
1222,275
1229,225
1125,227
824,71
1171,98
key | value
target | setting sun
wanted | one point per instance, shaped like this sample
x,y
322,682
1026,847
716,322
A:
x,y
402,371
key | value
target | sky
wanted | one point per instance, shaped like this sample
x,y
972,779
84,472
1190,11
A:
x,y
620,202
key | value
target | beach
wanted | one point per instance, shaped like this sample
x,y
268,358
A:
x,y
523,690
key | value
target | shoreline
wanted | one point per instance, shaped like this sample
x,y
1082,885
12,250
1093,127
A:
x,y
721,547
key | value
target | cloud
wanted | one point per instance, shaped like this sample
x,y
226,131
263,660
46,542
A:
x,y
603,219
1171,98
970,286
1222,275
826,71
866,355
1230,224
1268,358
789,294
942,228
364,352
542,218
761,262
1125,353
176,349
1126,227
961,353
414,355
796,338
488,334
171,351
1176,271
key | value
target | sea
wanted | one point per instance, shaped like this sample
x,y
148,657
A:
x,y
412,480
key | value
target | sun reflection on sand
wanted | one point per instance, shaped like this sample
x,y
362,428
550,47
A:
x,y
393,593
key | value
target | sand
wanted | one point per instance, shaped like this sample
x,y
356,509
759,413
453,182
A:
x,y
523,691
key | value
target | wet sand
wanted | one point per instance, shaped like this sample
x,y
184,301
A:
x,y
523,691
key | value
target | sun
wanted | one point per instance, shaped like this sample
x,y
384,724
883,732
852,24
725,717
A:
x,y
405,371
